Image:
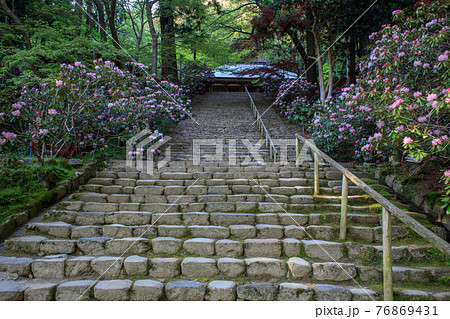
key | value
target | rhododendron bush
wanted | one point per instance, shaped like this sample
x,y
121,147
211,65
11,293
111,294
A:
x,y
295,99
89,109
194,76
402,100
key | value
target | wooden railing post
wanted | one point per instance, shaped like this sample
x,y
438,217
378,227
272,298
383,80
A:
x,y
316,174
387,257
297,152
344,206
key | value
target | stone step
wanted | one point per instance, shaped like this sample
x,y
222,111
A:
x,y
184,290
198,227
234,193
187,290
214,204
216,245
254,268
136,218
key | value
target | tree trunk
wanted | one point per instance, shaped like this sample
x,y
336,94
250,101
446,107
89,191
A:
x,y
319,66
330,63
351,61
168,46
154,35
311,73
10,14
89,21
299,47
110,7
101,19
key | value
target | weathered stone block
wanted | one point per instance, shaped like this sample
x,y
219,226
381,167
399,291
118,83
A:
x,y
117,231
269,231
86,231
128,218
136,265
167,219
243,231
268,219
11,291
14,265
221,290
332,293
164,267
166,245
229,248
227,219
199,246
257,292
216,232
199,267
293,219
294,292
48,268
26,244
262,247
332,271
74,290
113,290
40,292
231,267
298,267
93,245
359,294
184,290
78,266
58,246
291,247
196,218
323,250
265,267
145,290
108,267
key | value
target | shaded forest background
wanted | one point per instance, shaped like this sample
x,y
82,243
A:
x,y
39,35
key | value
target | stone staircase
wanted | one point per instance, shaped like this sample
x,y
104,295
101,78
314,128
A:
x,y
216,232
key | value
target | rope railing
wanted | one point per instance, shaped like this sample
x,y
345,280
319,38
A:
x,y
269,143
388,209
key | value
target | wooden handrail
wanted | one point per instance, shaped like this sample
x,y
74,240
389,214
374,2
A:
x,y
388,208
422,231
269,143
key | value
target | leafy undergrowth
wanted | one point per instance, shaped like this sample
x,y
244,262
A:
x,y
20,184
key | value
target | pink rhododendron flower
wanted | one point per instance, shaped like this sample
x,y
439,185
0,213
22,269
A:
x,y
9,135
417,94
422,119
417,63
77,63
407,140
2,141
432,97
436,141
400,128
443,58
426,65
377,135
59,83
447,173
15,113
52,112
380,123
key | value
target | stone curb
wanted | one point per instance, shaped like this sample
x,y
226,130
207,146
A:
x,y
63,188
